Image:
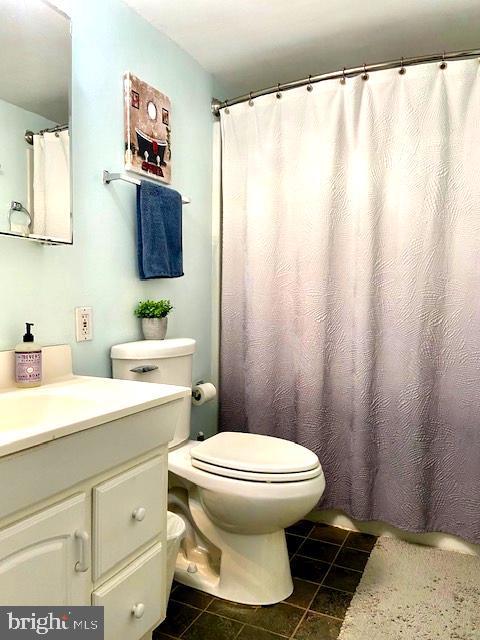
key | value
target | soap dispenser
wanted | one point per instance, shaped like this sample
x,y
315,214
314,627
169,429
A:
x,y
28,361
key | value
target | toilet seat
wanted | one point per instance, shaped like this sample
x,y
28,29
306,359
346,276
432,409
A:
x,y
254,457
236,474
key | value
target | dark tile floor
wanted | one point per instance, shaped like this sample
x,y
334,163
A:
x,y
327,564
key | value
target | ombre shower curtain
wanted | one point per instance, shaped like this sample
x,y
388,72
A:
x,y
350,317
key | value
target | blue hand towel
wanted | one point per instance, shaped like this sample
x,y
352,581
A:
x,y
159,231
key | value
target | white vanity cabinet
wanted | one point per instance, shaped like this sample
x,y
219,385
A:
x,y
44,558
83,499
84,522
105,544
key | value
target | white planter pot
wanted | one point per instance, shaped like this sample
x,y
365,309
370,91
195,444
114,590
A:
x,y
154,328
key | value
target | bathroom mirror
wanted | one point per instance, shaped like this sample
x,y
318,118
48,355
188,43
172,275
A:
x,y
35,80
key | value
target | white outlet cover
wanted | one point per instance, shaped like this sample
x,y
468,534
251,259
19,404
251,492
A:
x,y
83,323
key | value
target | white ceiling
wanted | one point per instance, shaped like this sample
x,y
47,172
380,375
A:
x,y
35,66
250,44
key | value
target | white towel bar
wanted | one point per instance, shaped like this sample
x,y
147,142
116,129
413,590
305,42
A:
x,y
109,177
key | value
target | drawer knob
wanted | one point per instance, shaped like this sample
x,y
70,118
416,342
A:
x,y
138,610
139,514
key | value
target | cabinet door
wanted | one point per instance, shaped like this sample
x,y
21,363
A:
x,y
44,559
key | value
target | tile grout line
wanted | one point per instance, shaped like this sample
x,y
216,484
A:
x,y
299,546
242,627
342,566
333,561
342,546
246,624
243,624
254,626
196,618
189,625
307,610
317,589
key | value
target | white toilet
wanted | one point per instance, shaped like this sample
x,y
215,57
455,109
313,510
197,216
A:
x,y
235,491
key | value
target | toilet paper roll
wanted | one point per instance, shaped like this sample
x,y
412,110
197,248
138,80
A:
x,y
202,393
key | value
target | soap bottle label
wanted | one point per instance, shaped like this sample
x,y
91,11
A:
x,y
28,366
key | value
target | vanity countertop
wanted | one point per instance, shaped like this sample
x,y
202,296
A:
x,y
29,417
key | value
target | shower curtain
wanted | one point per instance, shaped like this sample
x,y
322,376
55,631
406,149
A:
x,y
350,317
51,185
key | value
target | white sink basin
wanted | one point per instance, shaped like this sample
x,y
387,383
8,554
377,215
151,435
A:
x,y
17,412
29,417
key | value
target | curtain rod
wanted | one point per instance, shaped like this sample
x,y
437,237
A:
x,y
56,129
218,105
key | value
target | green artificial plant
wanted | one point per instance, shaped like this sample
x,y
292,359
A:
x,y
153,309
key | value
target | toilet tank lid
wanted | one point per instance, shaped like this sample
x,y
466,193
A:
x,y
151,349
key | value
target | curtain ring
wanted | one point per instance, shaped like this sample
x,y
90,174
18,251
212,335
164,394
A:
x,y
343,79
443,64
225,106
250,102
279,93
402,70
365,74
309,85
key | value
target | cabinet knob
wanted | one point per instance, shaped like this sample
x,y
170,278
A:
x,y
138,610
139,514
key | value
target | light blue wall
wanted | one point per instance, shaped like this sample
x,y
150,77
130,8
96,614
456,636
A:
x,y
43,284
14,121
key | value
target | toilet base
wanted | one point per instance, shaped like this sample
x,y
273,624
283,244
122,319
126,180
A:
x,y
254,569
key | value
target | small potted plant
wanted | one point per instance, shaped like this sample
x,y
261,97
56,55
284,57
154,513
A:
x,y
154,318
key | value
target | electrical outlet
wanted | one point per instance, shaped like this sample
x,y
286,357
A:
x,y
83,323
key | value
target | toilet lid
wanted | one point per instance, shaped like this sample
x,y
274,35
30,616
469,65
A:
x,y
254,453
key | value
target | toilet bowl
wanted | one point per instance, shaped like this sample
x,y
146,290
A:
x,y
236,492
237,547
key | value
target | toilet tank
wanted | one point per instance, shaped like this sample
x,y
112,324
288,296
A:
x,y
159,362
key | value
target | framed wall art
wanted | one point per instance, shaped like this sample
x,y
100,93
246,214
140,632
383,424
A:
x,y
147,130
